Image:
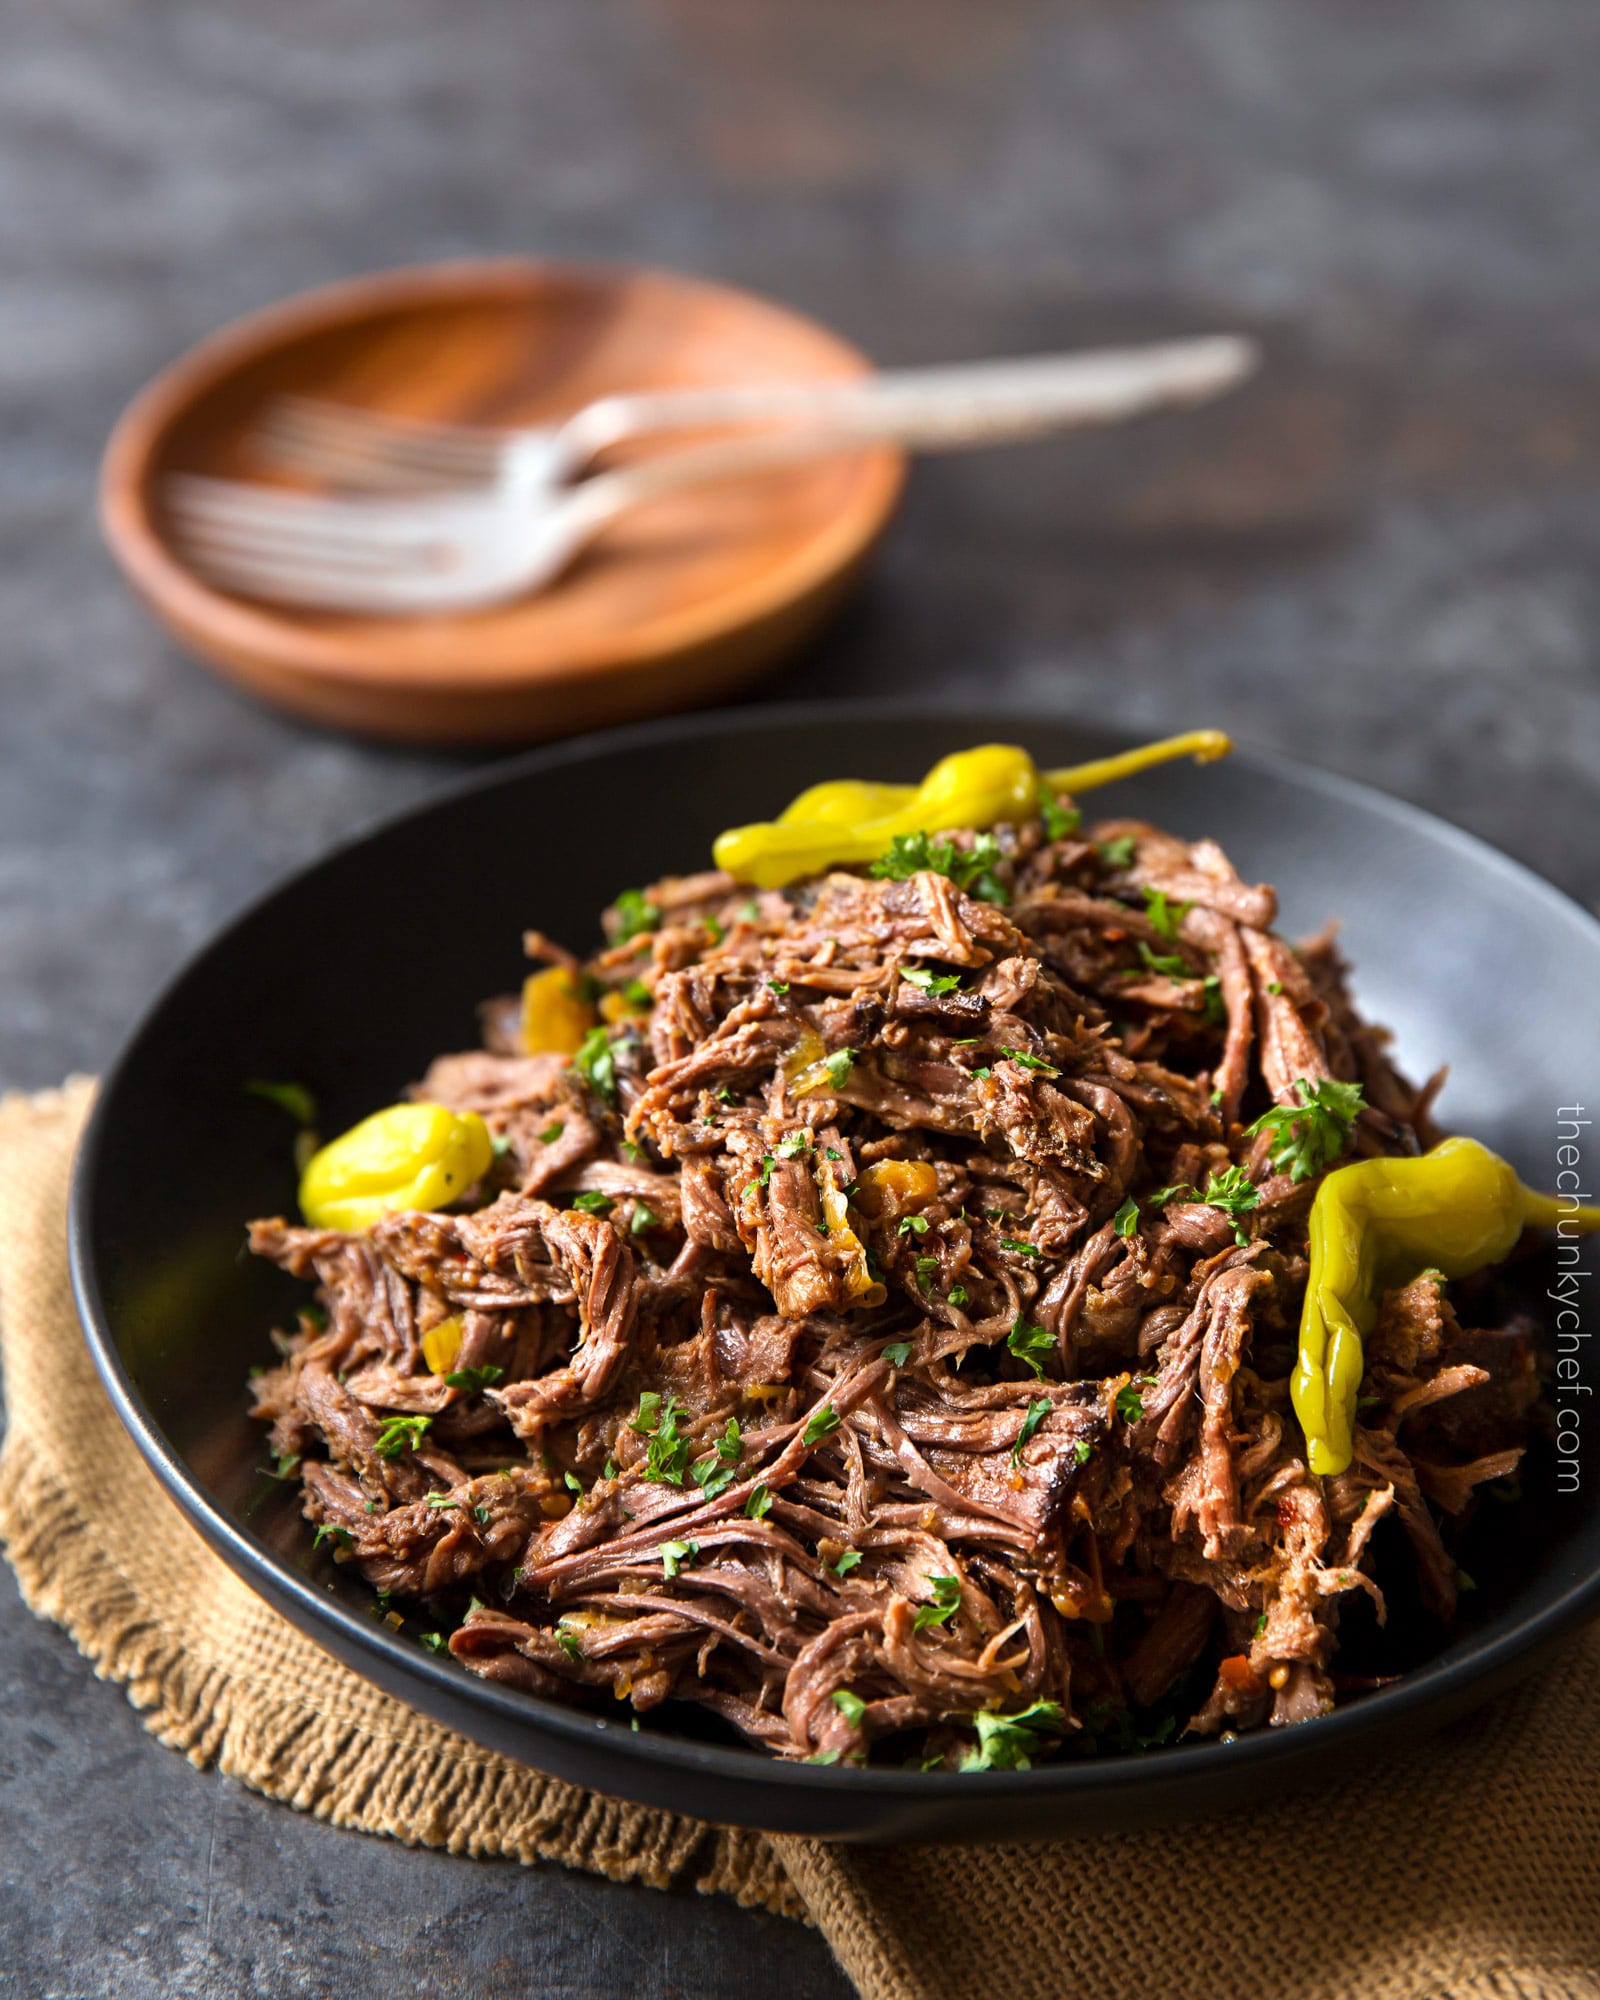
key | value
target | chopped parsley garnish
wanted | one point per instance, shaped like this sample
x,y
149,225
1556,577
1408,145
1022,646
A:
x,y
946,1602
970,868
824,1757
899,1352
751,911
666,1452
569,1643
474,1379
1274,985
1030,1344
1037,1412
927,1268
913,1225
1216,1007
1165,916
596,1064
1081,1451
1117,853
637,994
594,1202
716,1474
551,1133
441,1502
571,1482
839,1066
1167,964
820,1424
396,1433
1308,1135
328,1532
850,1706
792,1143
678,1555
1059,821
1016,1243
1008,1742
1126,1219
945,982
292,1098
285,1464
643,1217
1030,1062
1129,1401
848,1560
983,1075
1235,1194
435,1642
958,1295
759,1505
634,914
778,986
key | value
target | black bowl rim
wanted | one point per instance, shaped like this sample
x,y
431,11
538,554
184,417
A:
x,y
1493,1661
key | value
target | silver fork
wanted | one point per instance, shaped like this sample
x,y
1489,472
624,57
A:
x,y
461,549
373,451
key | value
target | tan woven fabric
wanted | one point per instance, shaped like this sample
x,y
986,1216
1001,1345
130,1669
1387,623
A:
x,y
1467,1867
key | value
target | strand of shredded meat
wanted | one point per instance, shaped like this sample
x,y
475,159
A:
x,y
856,1400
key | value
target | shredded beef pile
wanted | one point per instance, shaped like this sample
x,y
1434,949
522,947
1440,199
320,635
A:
x,y
815,1365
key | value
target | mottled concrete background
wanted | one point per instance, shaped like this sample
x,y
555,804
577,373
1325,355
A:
x,y
1384,557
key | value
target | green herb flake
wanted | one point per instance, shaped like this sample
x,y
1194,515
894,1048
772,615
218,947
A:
x,y
778,986
570,1644
822,1423
850,1706
849,1559
1168,965
678,1555
1126,1219
1308,1136
643,1218
1030,1344
958,1295
898,1352
1117,853
551,1133
572,1483
1022,1249
328,1531
946,1603
594,1202
637,994
1235,1194
1082,1451
913,1225
597,1065
1037,1412
793,1143
759,1505
436,1642
1059,820
1030,1061
474,1380
927,1269
1010,1742
1129,1402
1165,916
666,1450
395,1434
839,1066
970,868
633,914
929,982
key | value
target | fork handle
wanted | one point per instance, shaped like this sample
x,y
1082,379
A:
x,y
937,408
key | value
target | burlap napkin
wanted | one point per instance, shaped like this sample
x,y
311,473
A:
x,y
1468,1866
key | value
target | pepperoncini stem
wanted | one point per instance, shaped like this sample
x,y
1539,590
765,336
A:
x,y
1380,1223
1205,746
850,820
411,1156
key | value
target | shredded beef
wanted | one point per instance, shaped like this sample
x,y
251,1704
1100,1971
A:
x,y
834,1363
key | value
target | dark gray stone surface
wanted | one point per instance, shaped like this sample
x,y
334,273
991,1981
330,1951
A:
x,y
1385,557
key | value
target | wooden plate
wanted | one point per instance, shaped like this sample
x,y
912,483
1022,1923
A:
x,y
677,603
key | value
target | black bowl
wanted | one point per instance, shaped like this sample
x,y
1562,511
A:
x,y
352,975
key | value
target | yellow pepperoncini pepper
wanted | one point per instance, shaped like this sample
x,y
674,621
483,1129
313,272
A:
x,y
1380,1223
410,1156
555,1015
852,821
441,1344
